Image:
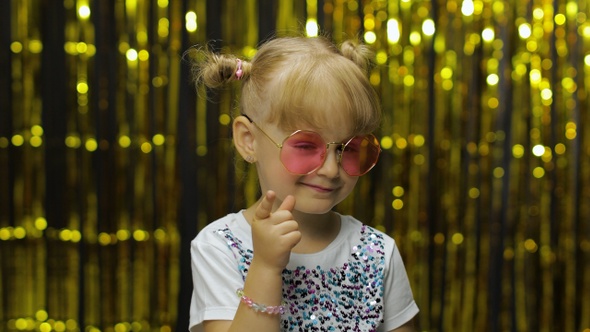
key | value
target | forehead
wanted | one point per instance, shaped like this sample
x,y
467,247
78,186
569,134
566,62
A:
x,y
321,117
311,90
323,104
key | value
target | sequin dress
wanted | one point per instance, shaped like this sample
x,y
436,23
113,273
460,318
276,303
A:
x,y
357,283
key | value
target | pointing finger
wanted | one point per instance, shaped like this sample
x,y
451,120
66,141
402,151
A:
x,y
265,207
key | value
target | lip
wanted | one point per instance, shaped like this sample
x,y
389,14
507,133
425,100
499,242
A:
x,y
319,188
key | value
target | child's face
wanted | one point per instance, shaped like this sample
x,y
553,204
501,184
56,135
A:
x,y
315,193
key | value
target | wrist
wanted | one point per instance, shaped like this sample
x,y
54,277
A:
x,y
259,307
259,265
263,289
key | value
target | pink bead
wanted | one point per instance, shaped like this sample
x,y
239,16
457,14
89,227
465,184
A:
x,y
271,310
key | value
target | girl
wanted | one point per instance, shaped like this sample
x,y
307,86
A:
x,y
288,262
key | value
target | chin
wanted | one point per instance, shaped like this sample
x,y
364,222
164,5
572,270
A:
x,y
309,211
314,207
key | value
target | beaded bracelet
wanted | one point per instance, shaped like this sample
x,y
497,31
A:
x,y
267,309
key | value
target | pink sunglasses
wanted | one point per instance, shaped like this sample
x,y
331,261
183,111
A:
x,y
304,151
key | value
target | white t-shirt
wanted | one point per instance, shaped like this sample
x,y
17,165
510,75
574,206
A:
x,y
358,282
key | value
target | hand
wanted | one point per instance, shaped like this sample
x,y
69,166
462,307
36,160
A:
x,y
274,234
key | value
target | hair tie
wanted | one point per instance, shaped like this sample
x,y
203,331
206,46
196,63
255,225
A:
x,y
239,71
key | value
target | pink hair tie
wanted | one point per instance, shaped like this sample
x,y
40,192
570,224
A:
x,y
239,71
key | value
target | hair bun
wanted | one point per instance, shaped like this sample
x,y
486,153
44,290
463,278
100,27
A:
x,y
358,53
215,70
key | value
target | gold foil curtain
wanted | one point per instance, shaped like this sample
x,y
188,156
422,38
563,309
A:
x,y
110,163
88,221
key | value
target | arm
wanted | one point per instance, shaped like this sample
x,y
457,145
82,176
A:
x,y
399,306
407,327
261,287
273,237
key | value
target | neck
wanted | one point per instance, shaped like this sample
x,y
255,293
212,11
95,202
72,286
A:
x,y
315,223
317,230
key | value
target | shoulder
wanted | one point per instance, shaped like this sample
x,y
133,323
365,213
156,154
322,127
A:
x,y
232,225
353,227
368,237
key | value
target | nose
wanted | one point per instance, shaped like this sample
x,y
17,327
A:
x,y
331,166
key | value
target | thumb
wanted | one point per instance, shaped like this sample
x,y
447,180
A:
x,y
288,203
264,209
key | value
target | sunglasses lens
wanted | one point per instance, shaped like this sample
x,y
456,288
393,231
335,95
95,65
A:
x,y
360,155
303,152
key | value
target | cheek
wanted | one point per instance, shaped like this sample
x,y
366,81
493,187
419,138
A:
x,y
272,174
270,165
350,183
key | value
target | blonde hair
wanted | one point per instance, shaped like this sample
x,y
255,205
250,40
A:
x,y
297,80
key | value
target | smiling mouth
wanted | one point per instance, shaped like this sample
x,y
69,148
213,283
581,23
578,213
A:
x,y
319,188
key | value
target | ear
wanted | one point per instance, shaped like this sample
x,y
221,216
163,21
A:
x,y
243,138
